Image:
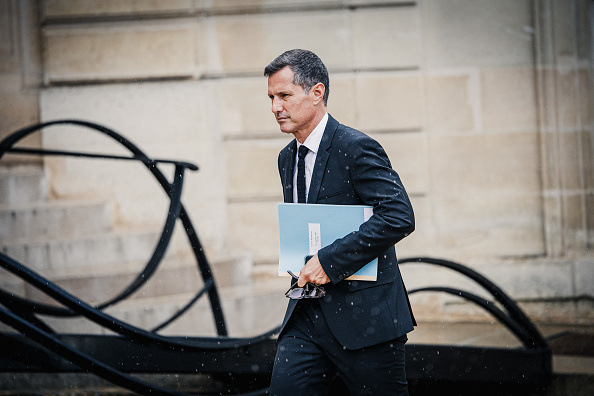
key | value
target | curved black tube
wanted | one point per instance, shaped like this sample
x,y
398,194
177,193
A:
x,y
88,363
80,359
183,309
518,316
116,325
519,331
176,210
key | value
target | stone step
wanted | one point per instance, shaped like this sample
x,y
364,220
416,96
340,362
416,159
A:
x,y
53,220
22,183
265,272
255,308
54,257
170,278
175,275
250,309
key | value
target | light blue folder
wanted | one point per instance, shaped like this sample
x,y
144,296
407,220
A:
x,y
300,224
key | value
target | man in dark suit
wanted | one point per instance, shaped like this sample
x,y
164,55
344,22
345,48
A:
x,y
358,329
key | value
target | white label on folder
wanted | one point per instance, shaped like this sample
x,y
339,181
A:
x,y
315,238
367,213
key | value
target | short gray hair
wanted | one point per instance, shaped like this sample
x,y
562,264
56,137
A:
x,y
307,66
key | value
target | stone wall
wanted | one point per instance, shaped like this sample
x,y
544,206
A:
x,y
484,108
20,68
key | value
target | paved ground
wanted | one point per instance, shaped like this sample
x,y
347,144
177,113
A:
x,y
573,363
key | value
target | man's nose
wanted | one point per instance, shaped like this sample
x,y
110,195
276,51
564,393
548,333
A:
x,y
276,105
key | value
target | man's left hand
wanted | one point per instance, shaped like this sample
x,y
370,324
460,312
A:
x,y
312,273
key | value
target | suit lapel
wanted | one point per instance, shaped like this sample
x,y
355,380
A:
x,y
321,160
288,168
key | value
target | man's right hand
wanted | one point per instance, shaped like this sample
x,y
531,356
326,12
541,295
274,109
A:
x,y
312,272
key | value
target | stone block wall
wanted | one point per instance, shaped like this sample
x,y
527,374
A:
x,y
484,108
20,68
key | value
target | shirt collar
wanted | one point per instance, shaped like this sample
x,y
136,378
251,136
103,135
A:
x,y
315,137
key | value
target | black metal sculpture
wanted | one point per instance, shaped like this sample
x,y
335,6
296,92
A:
x,y
176,211
522,369
141,351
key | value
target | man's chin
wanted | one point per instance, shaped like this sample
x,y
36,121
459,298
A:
x,y
286,128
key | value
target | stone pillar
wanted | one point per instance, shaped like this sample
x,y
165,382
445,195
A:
x,y
563,56
20,68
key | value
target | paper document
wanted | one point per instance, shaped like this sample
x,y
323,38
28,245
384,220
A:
x,y
306,228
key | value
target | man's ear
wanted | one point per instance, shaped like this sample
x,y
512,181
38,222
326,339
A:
x,y
318,91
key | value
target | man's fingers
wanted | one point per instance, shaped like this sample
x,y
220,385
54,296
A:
x,y
301,282
305,277
312,272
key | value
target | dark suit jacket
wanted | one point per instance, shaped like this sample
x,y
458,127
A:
x,y
352,169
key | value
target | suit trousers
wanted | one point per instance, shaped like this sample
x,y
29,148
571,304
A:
x,y
309,358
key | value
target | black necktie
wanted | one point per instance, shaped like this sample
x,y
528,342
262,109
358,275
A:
x,y
301,174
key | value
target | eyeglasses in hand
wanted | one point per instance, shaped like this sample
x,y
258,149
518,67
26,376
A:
x,y
308,291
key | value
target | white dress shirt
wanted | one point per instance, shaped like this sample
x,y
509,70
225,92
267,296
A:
x,y
313,144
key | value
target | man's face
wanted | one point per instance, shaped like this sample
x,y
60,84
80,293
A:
x,y
293,108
